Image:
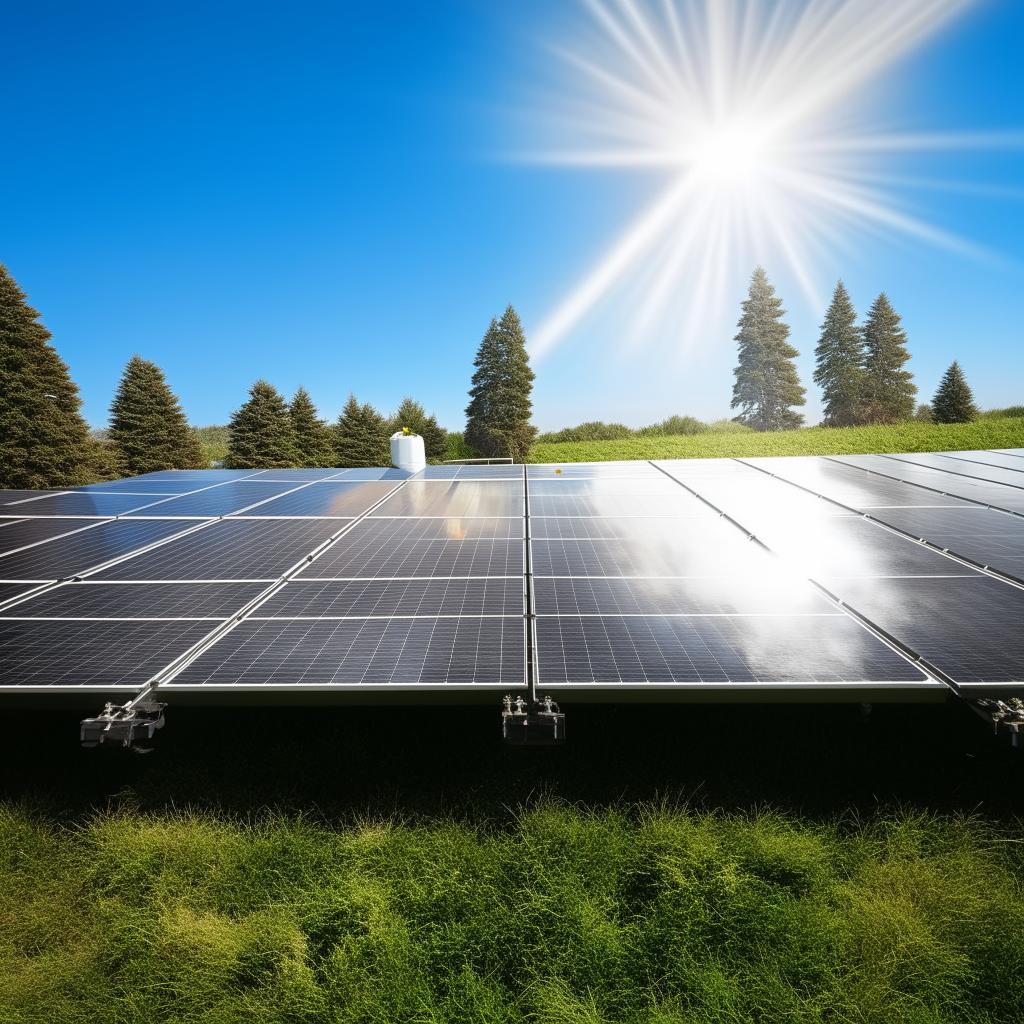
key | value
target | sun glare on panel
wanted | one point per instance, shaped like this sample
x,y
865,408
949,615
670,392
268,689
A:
x,y
752,120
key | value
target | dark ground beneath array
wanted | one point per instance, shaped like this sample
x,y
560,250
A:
x,y
420,764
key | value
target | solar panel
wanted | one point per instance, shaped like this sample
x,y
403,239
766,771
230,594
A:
x,y
8,495
637,583
81,503
850,487
297,476
759,594
990,538
850,547
115,654
669,505
667,651
987,458
78,552
960,467
87,600
410,547
592,469
712,548
607,527
139,485
229,549
340,500
969,628
421,597
601,486
440,498
32,531
9,591
387,473
362,653
221,500
935,480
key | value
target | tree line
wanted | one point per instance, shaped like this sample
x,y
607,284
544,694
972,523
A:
x,y
45,442
860,368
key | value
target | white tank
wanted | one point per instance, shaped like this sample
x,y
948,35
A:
x,y
407,451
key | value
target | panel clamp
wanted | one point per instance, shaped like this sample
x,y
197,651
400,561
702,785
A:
x,y
532,723
1004,713
124,724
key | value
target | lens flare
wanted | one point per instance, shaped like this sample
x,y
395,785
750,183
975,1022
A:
x,y
758,117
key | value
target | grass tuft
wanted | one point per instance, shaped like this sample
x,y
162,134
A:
x,y
634,914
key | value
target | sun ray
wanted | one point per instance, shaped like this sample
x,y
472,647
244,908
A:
x,y
740,106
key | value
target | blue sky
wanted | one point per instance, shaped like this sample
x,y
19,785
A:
x,y
319,195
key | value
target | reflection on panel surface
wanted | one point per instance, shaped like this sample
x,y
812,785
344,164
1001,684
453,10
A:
x,y
217,501
341,500
662,650
470,498
231,549
968,628
78,552
425,547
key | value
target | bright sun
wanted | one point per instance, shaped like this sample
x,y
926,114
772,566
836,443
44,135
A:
x,y
748,108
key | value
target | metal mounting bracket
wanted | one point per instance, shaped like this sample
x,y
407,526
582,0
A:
x,y
534,723
1003,713
123,724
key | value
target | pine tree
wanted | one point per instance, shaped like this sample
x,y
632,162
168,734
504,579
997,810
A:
x,y
147,426
767,384
44,441
361,436
888,391
840,357
412,415
498,414
312,436
954,402
261,435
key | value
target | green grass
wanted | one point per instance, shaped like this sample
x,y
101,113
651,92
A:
x,y
653,915
987,432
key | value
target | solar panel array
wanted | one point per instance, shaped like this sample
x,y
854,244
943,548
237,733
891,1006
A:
x,y
851,576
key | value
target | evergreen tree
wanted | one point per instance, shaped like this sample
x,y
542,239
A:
x,y
312,436
498,414
888,391
147,426
767,384
954,402
44,441
260,432
361,436
840,357
412,415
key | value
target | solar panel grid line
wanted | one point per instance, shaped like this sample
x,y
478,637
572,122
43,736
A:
x,y
925,487
1015,452
188,494
35,497
179,664
35,588
145,549
1010,463
88,525
924,542
1004,482
877,631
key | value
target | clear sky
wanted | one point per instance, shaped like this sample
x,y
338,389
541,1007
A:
x,y
326,195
